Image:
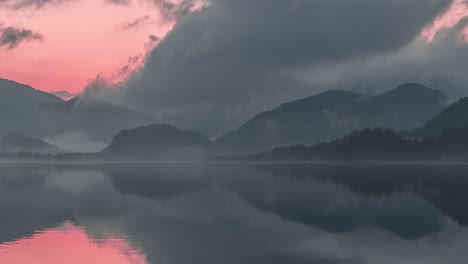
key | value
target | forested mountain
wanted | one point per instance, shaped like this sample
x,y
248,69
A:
x,y
379,144
455,116
333,114
158,142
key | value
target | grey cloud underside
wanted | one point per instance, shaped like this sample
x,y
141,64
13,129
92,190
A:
x,y
119,2
11,37
234,58
440,64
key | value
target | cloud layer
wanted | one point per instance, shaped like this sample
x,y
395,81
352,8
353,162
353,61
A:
x,y
234,58
226,60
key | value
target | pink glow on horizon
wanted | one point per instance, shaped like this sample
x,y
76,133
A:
x,y
457,12
81,40
69,244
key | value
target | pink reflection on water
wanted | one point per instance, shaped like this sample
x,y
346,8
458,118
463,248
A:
x,y
69,244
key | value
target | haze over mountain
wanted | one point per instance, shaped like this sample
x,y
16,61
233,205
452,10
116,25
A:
x,y
27,111
15,143
333,114
307,121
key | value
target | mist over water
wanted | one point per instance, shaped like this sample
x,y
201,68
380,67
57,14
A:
x,y
233,213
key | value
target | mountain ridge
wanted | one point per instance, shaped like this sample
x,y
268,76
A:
x,y
28,111
331,114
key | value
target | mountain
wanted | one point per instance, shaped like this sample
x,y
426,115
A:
x,y
12,92
21,106
15,143
333,114
379,144
158,142
455,116
27,111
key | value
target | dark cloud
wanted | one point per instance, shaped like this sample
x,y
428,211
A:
x,y
119,2
232,59
154,38
139,22
19,4
11,37
172,10
439,64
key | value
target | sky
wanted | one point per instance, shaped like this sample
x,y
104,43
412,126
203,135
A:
x,y
210,65
82,39
77,41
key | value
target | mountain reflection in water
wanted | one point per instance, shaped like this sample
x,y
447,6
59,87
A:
x,y
231,213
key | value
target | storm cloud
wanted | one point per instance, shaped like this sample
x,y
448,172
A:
x,y
439,64
232,59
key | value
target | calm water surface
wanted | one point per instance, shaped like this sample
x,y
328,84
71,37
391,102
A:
x,y
215,214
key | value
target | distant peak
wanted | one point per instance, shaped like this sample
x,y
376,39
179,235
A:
x,y
413,87
337,93
411,92
325,96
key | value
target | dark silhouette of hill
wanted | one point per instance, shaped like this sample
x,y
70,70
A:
x,y
11,92
21,107
158,142
379,144
14,143
27,111
333,114
455,116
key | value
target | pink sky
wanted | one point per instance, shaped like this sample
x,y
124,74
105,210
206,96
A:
x,y
81,40
85,38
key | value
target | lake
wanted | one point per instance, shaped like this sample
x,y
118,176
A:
x,y
233,213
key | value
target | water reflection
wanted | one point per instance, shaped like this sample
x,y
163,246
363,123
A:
x,y
180,213
71,244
